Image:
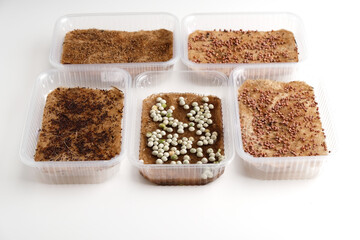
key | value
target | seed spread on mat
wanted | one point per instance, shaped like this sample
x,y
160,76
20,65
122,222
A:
x,y
191,140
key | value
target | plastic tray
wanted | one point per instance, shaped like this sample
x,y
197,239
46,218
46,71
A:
x,y
71,171
115,21
206,83
244,21
282,167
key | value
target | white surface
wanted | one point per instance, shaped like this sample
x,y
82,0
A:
x,y
127,206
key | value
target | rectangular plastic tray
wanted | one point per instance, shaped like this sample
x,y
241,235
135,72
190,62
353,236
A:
x,y
206,83
115,21
282,167
71,171
237,21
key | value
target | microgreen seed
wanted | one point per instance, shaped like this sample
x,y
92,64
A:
x,y
205,99
209,174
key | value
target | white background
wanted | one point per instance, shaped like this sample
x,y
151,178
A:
x,y
233,207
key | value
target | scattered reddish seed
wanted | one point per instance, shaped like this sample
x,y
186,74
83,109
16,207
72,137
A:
x,y
290,126
243,46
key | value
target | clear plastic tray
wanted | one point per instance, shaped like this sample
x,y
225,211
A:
x,y
282,167
206,83
115,21
71,171
244,21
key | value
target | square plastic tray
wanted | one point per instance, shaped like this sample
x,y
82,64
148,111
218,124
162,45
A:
x,y
115,21
244,21
206,83
71,171
282,167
